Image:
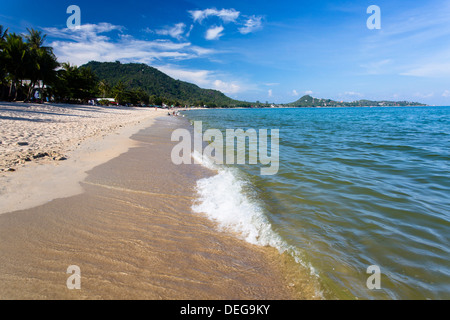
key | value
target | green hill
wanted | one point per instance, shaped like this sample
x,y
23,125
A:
x,y
308,101
157,84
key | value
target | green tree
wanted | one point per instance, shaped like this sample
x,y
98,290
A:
x,y
75,84
41,62
15,55
157,101
87,85
3,33
48,64
119,92
104,88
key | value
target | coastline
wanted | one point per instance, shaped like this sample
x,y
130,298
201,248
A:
x,y
131,230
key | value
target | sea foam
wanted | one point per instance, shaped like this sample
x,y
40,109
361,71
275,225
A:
x,y
225,200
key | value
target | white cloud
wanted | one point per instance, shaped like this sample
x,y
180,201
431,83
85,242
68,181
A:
x,y
90,43
175,32
214,33
377,67
84,32
309,92
127,51
294,92
432,70
202,51
353,94
416,39
446,94
190,30
203,78
199,77
424,95
252,24
226,87
270,93
227,15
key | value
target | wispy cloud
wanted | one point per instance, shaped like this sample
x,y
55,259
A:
x,y
227,15
353,94
214,33
252,24
84,32
175,31
416,39
190,30
248,24
438,68
199,77
227,87
90,42
424,95
204,78
377,67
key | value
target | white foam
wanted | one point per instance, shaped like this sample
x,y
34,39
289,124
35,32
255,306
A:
x,y
223,199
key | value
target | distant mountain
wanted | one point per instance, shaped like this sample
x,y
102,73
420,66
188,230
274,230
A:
x,y
308,101
156,83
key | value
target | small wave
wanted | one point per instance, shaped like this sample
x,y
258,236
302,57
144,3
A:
x,y
224,199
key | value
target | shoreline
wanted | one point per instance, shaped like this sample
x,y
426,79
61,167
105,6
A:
x,y
133,234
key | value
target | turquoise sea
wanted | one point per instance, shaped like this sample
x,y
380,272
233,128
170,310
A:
x,y
356,187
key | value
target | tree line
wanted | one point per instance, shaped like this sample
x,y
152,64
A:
x,y
27,66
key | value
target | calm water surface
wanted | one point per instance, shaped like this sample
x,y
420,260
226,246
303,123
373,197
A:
x,y
356,187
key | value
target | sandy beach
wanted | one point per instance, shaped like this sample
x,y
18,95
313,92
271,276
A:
x,y
56,145
120,210
42,132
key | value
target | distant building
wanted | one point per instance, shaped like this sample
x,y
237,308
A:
x,y
108,99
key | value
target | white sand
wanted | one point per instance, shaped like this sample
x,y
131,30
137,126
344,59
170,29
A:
x,y
86,136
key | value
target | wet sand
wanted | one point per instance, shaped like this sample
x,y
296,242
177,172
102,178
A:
x,y
134,236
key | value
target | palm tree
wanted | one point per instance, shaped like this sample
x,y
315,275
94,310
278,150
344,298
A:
x,y
119,92
104,88
42,62
15,55
3,34
35,39
47,67
66,81
75,84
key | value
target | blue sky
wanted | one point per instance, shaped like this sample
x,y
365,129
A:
x,y
273,51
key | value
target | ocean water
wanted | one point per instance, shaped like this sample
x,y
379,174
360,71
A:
x,y
356,187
